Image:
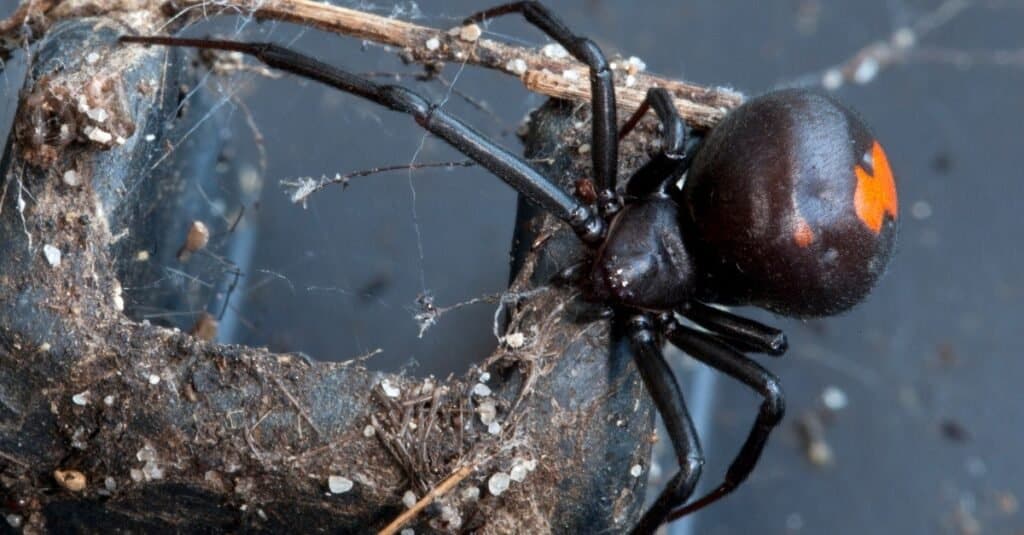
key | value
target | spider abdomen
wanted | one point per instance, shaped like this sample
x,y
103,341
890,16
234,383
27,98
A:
x,y
791,206
643,262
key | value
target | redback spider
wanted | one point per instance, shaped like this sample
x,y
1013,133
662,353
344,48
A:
x,y
789,204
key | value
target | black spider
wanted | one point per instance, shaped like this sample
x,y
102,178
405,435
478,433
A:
x,y
789,204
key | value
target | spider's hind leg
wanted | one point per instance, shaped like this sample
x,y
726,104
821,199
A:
x,y
668,398
744,334
719,355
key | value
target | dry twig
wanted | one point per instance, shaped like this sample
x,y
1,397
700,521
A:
x,y
551,73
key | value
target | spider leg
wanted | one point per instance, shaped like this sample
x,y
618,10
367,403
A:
x,y
666,168
719,355
604,143
668,398
507,166
744,334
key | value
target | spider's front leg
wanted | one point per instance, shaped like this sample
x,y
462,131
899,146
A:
x,y
668,398
604,119
510,168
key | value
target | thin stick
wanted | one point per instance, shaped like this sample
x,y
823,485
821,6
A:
x,y
551,74
440,490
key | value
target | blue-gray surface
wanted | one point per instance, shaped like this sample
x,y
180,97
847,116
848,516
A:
x,y
930,364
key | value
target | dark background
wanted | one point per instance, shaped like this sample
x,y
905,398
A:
x,y
931,437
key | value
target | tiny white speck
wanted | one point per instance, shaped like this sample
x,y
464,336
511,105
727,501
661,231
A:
x,y
518,472
570,74
108,400
517,65
339,484
92,58
584,148
81,398
470,32
52,255
390,390
630,80
904,38
832,79
494,428
834,398
554,51
515,341
150,137
636,470
976,467
637,64
921,210
118,303
433,43
867,70
481,390
498,483
98,135
471,493
154,379
369,431
409,499
72,178
484,377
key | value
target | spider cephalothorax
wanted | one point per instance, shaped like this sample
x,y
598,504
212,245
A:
x,y
789,205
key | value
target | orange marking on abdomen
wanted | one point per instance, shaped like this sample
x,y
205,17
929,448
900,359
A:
x,y
802,234
876,192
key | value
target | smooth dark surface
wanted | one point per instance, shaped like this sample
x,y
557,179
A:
x,y
930,364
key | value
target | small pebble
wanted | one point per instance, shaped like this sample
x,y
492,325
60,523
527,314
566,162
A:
x,y
52,255
339,484
150,137
481,390
636,470
108,400
494,428
369,431
433,43
409,499
154,379
484,377
498,483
